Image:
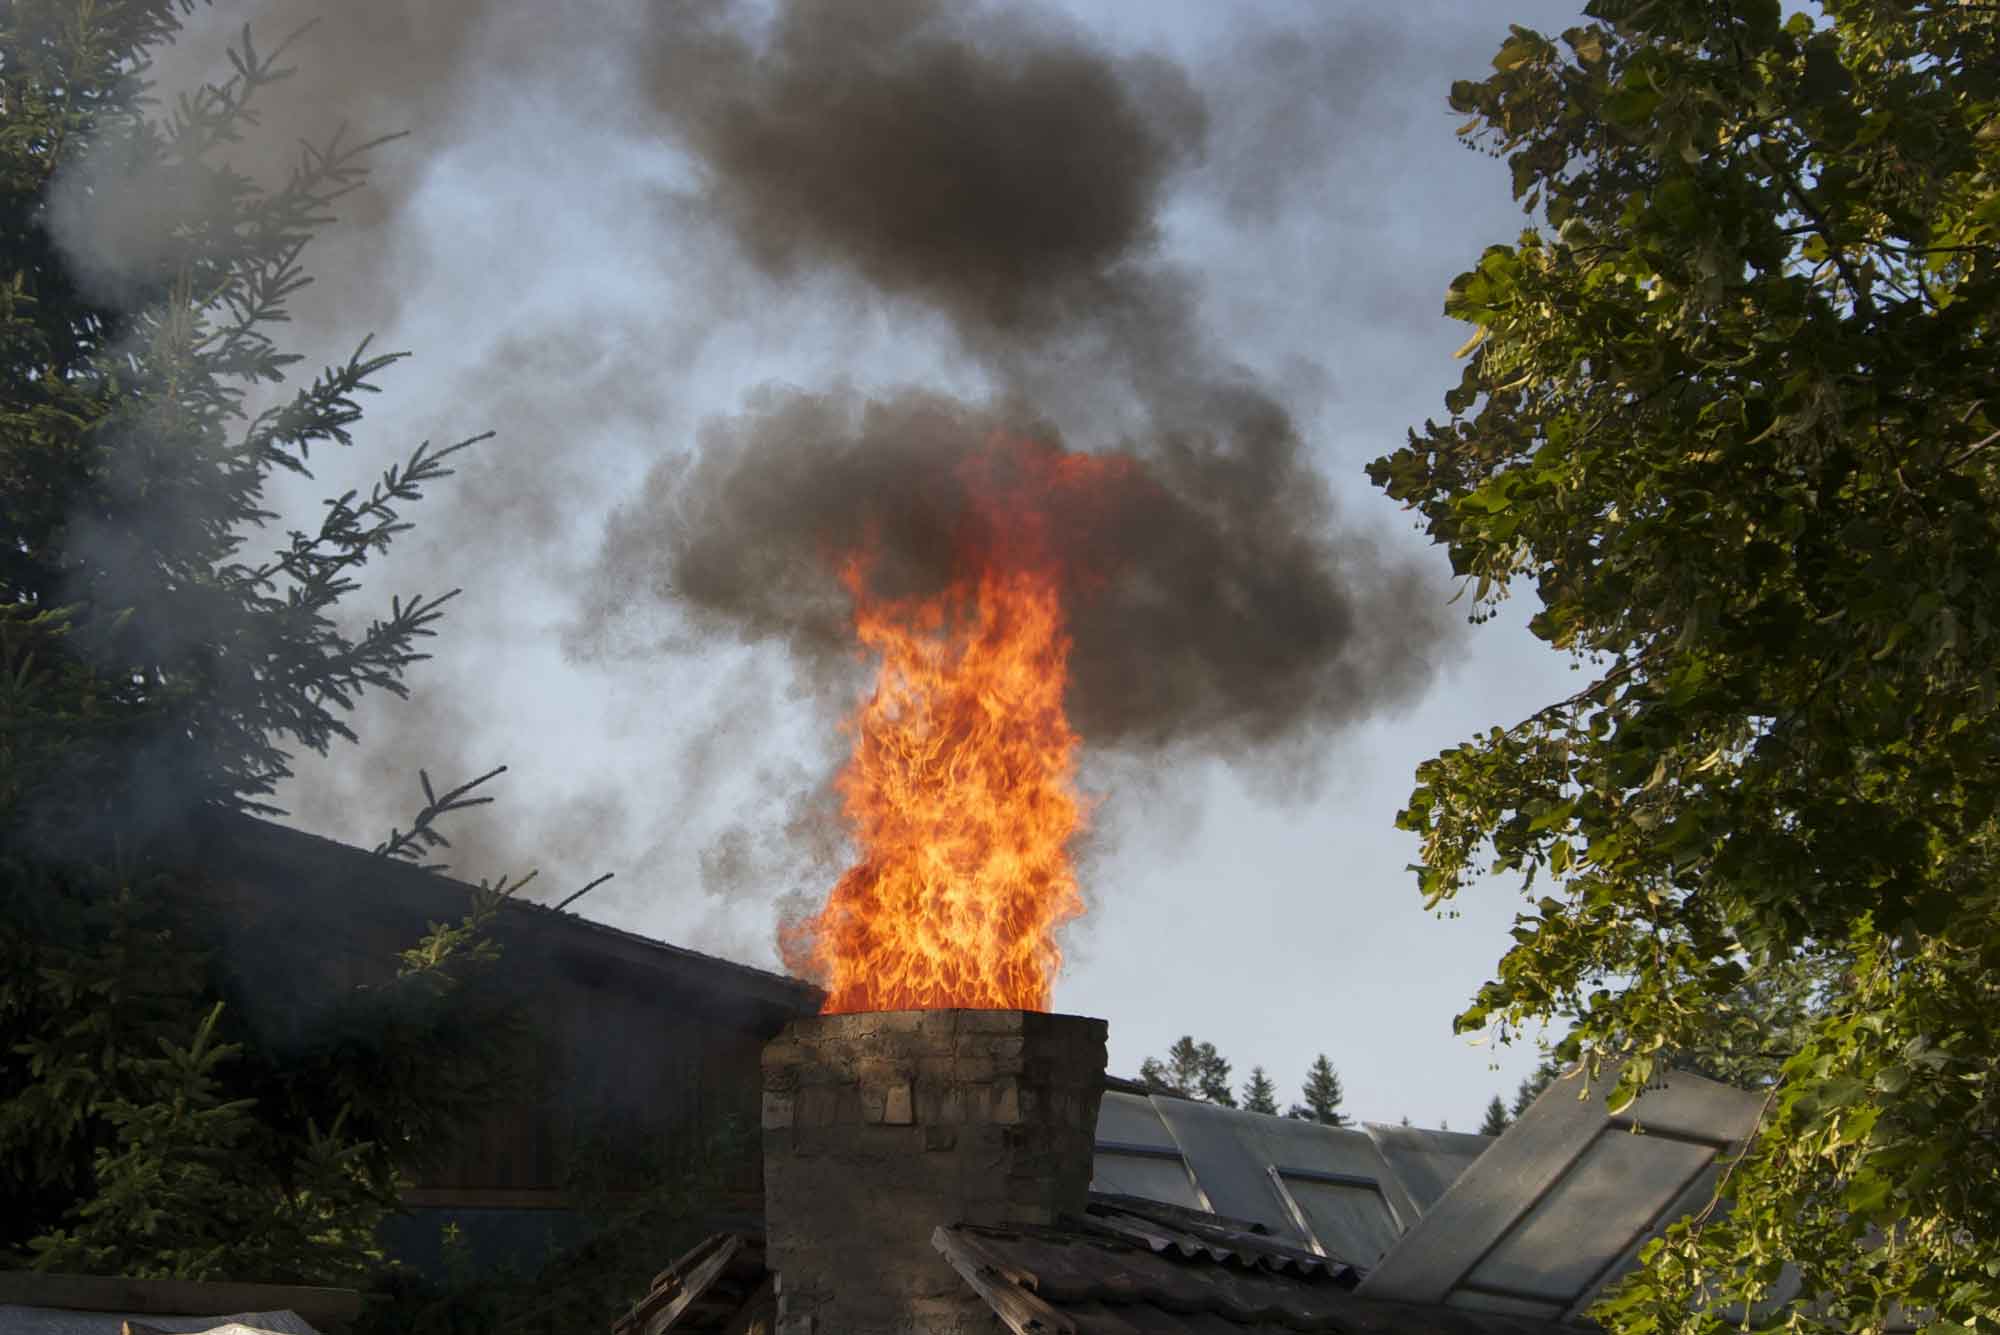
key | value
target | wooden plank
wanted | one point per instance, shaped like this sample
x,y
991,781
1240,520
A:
x,y
694,1284
992,1279
324,1308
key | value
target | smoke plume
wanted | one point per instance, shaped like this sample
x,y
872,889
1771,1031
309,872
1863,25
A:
x,y
991,177
1008,175
990,164
1227,616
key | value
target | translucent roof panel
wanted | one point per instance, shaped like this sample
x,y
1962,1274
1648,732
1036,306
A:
x,y
1246,1163
1348,1220
1426,1162
1560,1203
1324,1188
1601,1209
1155,1179
1130,1119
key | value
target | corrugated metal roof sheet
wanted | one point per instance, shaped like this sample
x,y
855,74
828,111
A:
x,y
1049,1281
1061,1270
1193,1235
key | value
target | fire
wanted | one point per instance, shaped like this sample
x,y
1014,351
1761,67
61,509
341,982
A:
x,y
960,791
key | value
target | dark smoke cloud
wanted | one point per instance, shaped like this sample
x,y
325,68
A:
x,y
364,69
986,171
368,69
1008,174
990,164
1228,617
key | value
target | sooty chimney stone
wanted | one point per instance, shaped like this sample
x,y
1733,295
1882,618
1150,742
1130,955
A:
x,y
882,1126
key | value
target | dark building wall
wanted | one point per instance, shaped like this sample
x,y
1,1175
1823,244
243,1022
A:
x,y
634,1049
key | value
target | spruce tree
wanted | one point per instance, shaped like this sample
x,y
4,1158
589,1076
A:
x,y
1534,1083
155,665
1496,1118
1214,1082
1322,1094
1191,1070
1260,1095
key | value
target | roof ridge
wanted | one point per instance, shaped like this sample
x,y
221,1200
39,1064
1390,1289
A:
x,y
273,833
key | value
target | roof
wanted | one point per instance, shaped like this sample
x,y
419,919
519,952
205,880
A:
x,y
34,1303
1082,1282
1127,1265
71,1321
274,854
1560,1204
1424,1161
1271,1224
1191,1235
1346,1192
1536,1222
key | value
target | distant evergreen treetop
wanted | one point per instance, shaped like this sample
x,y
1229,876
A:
x,y
1191,1070
1322,1094
1534,1083
1260,1095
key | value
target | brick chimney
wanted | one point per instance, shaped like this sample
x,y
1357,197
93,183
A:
x,y
879,1127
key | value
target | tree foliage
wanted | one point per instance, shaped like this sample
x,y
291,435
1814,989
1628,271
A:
x,y
642,1198
172,1197
156,1120
1765,1022
1192,1070
153,667
1496,1119
149,662
1533,1084
1322,1094
1195,1070
1729,411
1260,1094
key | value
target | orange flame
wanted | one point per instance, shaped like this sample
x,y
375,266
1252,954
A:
x,y
961,787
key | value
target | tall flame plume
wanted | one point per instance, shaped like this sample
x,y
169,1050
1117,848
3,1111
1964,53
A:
x,y
960,792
